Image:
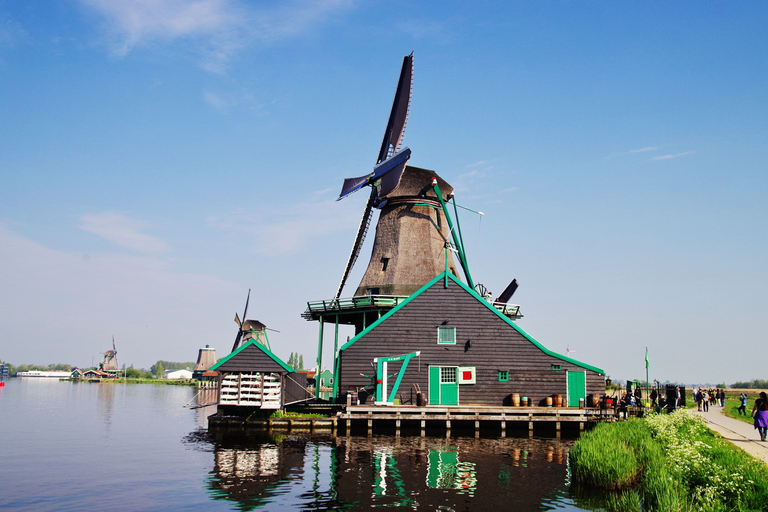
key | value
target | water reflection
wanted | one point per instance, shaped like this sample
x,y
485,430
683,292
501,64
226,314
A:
x,y
344,473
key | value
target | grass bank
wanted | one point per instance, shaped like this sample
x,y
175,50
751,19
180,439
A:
x,y
667,462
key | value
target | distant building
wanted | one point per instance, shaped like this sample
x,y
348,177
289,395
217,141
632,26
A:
x,y
178,374
205,359
5,371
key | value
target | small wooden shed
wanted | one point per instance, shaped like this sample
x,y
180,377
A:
x,y
452,347
252,377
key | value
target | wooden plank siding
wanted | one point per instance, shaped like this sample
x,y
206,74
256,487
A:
x,y
484,340
252,357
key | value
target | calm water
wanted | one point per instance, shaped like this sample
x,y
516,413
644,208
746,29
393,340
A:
x,y
66,446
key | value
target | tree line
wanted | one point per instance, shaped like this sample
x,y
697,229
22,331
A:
x,y
60,367
296,361
158,369
752,384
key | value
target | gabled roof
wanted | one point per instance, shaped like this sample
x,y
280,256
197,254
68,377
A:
x,y
473,293
253,343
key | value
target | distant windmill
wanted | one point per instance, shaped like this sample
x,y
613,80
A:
x,y
250,329
109,361
568,351
411,232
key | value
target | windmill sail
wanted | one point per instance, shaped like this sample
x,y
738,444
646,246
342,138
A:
x,y
239,335
388,170
362,230
398,117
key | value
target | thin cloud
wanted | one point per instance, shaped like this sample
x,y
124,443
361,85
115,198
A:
x,y
218,29
670,157
123,231
293,228
642,150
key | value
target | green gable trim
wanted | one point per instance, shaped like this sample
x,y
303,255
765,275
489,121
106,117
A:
x,y
525,334
392,312
473,293
253,342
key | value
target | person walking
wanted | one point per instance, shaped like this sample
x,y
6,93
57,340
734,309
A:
x,y
760,413
705,400
743,406
722,397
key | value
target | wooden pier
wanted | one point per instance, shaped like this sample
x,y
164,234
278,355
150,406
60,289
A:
x,y
285,424
414,419
477,418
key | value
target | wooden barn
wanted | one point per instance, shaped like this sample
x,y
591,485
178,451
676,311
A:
x,y
252,377
450,346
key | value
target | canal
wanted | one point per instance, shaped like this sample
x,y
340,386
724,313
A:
x,y
74,446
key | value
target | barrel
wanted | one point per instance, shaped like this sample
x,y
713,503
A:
x,y
594,400
524,401
549,401
516,399
557,400
531,402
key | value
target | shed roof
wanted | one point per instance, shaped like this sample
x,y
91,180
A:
x,y
473,293
247,346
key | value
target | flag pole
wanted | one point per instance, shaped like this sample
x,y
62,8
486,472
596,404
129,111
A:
x,y
647,383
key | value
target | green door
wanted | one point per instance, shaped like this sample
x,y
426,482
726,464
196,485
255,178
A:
x,y
577,388
443,385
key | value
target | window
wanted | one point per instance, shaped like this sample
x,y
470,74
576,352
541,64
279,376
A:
x,y
556,367
467,374
446,335
447,375
384,264
503,376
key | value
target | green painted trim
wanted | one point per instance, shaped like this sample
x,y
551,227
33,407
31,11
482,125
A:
x,y
486,304
392,311
260,347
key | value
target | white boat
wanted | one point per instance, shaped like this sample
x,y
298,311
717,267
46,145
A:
x,y
52,374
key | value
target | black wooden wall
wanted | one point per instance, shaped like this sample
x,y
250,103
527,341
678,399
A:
x,y
251,359
483,340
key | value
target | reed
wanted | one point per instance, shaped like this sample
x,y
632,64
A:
x,y
674,462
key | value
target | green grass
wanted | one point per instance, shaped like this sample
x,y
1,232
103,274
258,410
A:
x,y
732,405
668,462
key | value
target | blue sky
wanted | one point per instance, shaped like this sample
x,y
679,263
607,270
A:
x,y
158,158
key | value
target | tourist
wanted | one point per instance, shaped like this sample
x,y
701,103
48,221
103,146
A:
x,y
722,397
760,413
678,397
705,400
699,396
654,396
743,406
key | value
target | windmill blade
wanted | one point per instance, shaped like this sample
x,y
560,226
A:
x,y
247,300
508,292
390,180
240,325
362,230
393,165
398,117
352,185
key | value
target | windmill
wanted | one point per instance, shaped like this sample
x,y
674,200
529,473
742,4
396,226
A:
x,y
109,361
411,232
249,329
